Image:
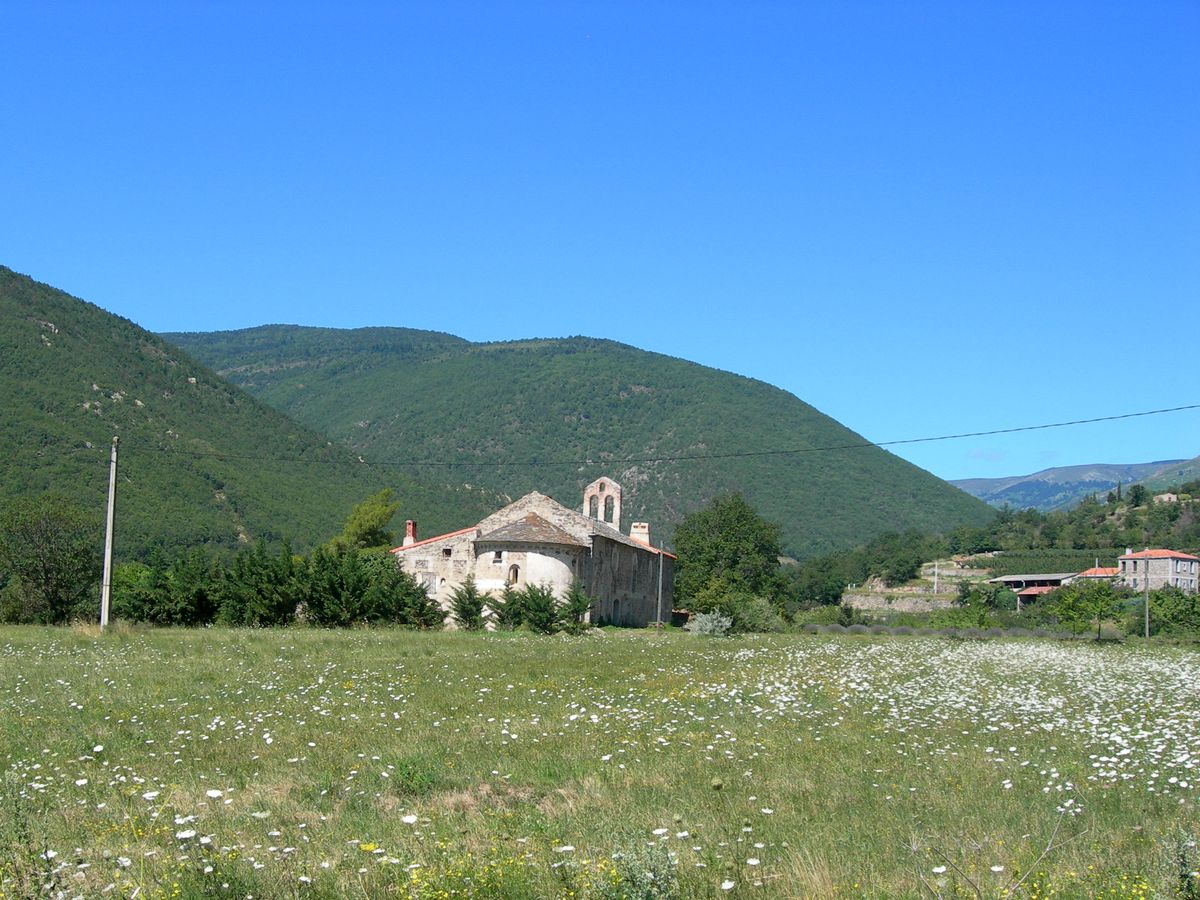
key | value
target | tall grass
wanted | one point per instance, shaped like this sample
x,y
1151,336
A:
x,y
386,763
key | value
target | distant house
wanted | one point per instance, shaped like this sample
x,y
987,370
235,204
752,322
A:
x,y
1049,580
1096,573
537,540
1159,568
1030,587
1166,498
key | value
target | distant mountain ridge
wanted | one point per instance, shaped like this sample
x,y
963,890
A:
x,y
202,463
1173,474
1061,487
552,415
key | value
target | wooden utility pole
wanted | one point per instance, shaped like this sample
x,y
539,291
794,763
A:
x,y
106,585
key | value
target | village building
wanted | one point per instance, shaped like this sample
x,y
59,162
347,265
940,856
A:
x,y
1097,573
1159,568
1048,580
1030,587
536,540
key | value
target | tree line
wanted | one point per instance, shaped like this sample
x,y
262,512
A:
x,y
50,572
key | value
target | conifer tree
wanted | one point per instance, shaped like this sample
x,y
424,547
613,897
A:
x,y
576,606
539,608
466,605
507,611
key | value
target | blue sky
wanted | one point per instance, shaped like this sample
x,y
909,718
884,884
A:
x,y
921,218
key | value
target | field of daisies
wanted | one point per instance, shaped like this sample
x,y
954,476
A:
x,y
303,763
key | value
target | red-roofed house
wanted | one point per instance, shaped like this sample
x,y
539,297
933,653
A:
x,y
1097,573
1159,568
537,540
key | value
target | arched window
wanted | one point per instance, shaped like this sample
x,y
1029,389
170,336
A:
x,y
608,508
594,507
514,574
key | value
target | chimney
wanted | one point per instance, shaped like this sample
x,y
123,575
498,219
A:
x,y
640,532
410,533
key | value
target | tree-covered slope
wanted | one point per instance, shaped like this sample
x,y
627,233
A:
x,y
201,461
553,415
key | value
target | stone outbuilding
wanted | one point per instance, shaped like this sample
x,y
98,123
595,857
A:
x,y
536,540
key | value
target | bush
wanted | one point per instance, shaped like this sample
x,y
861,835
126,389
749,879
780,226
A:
x,y
259,589
756,615
341,586
709,623
817,615
643,872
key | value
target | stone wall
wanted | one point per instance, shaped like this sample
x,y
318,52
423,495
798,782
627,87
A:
x,y
910,603
624,580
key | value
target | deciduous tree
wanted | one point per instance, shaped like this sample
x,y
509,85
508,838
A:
x,y
728,540
50,550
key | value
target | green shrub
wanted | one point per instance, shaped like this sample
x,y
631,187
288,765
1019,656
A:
x,y
756,615
540,609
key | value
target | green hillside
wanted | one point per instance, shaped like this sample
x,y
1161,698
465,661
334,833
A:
x,y
1173,475
520,416
202,462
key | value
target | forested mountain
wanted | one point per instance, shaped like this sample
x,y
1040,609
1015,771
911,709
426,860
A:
x,y
1061,487
553,415
202,463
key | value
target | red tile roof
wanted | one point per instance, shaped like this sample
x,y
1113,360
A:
x,y
1159,554
1099,572
1034,591
434,540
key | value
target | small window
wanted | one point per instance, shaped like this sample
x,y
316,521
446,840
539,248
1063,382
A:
x,y
602,487
498,556
514,574
446,552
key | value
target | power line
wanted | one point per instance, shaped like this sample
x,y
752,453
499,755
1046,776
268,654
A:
x,y
738,454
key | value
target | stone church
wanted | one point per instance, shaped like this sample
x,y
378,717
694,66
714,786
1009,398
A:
x,y
537,540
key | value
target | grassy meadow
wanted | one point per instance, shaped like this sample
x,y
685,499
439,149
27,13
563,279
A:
x,y
303,763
